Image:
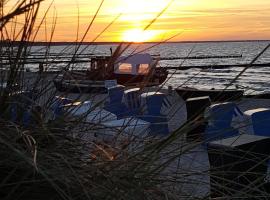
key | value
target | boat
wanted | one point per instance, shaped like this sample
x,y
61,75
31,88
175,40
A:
x,y
265,95
80,86
134,70
214,94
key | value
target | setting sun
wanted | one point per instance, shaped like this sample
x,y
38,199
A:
x,y
137,35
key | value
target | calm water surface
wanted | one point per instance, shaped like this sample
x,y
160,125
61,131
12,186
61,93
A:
x,y
254,79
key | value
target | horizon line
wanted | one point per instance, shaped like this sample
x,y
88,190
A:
x,y
104,43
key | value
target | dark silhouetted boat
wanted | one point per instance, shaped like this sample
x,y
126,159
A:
x,y
136,70
214,94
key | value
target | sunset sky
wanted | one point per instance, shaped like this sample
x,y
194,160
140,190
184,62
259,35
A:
x,y
194,20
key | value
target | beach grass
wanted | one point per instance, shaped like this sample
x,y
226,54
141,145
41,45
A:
x,y
50,159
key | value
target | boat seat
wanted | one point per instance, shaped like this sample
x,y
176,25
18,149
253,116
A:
x,y
114,103
21,107
220,117
152,103
78,108
116,93
258,121
58,104
132,101
174,108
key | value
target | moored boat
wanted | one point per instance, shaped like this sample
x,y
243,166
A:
x,y
135,70
214,94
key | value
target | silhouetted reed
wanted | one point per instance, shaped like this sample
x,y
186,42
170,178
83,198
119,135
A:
x,y
61,158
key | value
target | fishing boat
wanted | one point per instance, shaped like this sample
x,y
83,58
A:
x,y
134,70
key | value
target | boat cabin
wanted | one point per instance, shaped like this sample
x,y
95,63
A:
x,y
139,64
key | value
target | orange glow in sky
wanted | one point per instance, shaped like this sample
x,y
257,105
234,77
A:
x,y
196,20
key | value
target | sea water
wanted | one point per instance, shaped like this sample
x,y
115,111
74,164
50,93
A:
x,y
255,79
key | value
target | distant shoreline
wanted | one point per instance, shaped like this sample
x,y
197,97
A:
x,y
115,43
